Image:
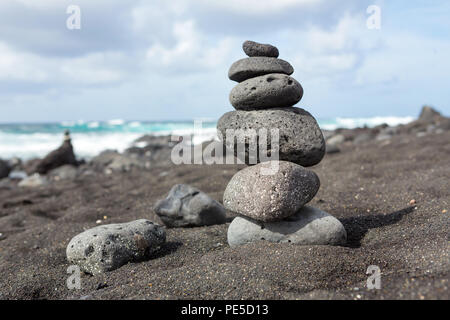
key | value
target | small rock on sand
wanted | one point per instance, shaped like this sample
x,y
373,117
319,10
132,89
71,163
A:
x,y
33,181
4,169
186,206
108,247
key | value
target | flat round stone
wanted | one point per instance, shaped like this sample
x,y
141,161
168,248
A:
x,y
309,226
255,49
300,139
252,67
270,191
274,90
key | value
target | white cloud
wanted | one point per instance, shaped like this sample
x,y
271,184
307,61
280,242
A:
x,y
21,66
98,68
91,69
191,51
255,7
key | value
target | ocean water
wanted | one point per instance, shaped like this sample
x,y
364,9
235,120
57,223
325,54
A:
x,y
27,141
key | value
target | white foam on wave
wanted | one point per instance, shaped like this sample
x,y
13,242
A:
x,y
90,144
86,145
116,122
351,123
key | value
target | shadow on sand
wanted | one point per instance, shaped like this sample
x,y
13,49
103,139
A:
x,y
357,227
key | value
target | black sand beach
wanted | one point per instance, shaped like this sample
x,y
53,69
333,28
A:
x,y
392,195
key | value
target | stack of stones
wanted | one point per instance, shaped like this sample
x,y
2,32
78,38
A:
x,y
270,196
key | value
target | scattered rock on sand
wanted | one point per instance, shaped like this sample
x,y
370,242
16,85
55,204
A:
x,y
59,157
428,114
17,175
186,206
33,181
336,139
332,148
5,169
248,68
108,247
255,49
309,226
300,138
112,161
274,90
66,172
273,196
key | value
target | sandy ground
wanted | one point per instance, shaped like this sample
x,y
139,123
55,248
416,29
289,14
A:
x,y
368,187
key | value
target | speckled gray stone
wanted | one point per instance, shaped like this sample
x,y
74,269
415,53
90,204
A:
x,y
186,206
309,226
274,90
300,138
108,247
257,66
270,197
255,49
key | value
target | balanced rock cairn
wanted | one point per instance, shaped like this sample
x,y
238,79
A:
x,y
271,206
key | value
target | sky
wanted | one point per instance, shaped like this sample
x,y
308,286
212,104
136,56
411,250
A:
x,y
169,60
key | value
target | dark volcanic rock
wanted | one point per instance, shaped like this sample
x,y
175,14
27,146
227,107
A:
x,y
308,226
186,206
108,247
428,114
57,158
300,138
255,49
258,66
270,191
5,169
273,90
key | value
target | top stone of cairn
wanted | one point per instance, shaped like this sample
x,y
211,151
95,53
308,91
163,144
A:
x,y
255,49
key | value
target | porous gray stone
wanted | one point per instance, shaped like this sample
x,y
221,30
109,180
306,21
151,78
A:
x,y
257,66
270,191
309,226
186,206
273,90
300,138
108,247
255,49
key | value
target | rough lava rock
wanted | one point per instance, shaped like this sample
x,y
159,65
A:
x,y
258,66
5,169
186,206
274,90
255,49
428,114
108,247
270,195
300,138
309,226
57,158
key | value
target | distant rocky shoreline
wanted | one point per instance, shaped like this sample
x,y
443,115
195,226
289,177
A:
x,y
154,151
